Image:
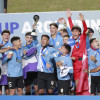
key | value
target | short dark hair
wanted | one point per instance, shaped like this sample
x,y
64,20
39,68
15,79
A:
x,y
76,27
54,24
90,30
64,30
5,31
14,38
92,40
28,33
68,47
44,35
66,36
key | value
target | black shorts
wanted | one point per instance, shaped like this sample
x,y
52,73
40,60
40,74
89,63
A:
x,y
6,87
31,78
15,82
95,84
46,80
63,87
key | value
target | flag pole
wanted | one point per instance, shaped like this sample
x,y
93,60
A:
x,y
1,6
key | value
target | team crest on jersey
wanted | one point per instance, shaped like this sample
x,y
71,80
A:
x,y
57,43
52,82
62,61
24,45
46,52
21,54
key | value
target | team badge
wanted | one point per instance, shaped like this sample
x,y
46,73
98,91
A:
x,y
24,45
52,82
21,54
62,61
10,52
57,43
46,52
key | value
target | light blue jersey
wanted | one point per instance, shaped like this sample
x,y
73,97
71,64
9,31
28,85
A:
x,y
4,66
57,42
14,66
92,64
68,30
7,44
87,42
42,58
67,62
28,47
29,63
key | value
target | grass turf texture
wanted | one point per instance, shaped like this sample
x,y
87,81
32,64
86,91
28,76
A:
x,y
51,5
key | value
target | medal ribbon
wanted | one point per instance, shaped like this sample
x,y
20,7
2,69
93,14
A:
x,y
18,54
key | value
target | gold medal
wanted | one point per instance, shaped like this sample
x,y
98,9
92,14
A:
x,y
19,61
10,52
43,55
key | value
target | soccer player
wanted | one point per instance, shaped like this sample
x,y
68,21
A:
x,y
77,53
89,33
55,39
94,66
30,65
5,41
64,30
64,67
46,77
14,67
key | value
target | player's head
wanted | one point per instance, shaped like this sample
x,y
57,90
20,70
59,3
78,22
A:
x,y
65,49
44,40
28,38
76,32
90,32
63,32
53,28
65,39
5,35
94,43
16,41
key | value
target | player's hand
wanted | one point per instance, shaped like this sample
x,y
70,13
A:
x,y
12,48
81,17
24,52
58,64
60,20
85,70
1,45
73,58
92,58
48,65
34,26
68,13
9,56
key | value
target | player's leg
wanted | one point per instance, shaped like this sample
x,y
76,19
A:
x,y
93,85
19,85
7,89
51,84
41,84
11,85
0,89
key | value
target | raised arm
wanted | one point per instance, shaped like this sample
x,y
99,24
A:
x,y
81,17
69,14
